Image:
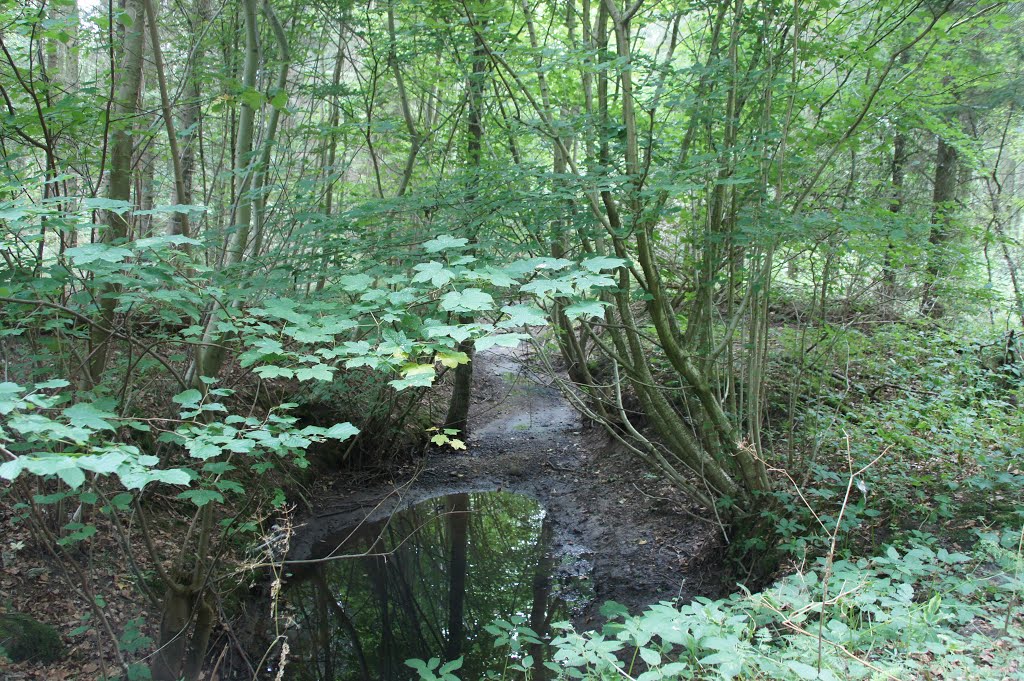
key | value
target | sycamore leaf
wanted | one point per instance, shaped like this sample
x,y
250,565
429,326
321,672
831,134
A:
x,y
602,263
523,315
452,358
434,272
415,375
72,477
201,497
493,276
457,333
456,444
444,242
85,415
320,372
113,205
341,431
469,300
83,255
504,340
270,371
586,308
356,283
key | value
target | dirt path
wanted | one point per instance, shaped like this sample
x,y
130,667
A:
x,y
612,520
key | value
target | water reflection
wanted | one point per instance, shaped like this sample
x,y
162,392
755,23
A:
x,y
434,576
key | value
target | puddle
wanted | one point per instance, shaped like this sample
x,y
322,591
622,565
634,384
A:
x,y
424,583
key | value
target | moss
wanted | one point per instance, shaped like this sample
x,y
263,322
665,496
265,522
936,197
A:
x,y
23,639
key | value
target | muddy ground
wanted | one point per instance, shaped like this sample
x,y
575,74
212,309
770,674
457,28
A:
x,y
614,522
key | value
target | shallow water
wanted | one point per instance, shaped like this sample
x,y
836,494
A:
x,y
423,584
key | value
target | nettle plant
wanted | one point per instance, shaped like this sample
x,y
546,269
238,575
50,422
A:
x,y
137,316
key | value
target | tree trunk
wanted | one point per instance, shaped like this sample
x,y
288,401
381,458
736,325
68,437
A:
x,y
210,357
458,408
943,207
119,185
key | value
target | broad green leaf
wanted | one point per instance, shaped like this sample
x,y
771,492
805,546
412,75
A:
x,y
83,255
505,340
189,398
602,263
523,315
586,308
434,272
168,239
201,497
113,205
444,242
85,415
269,371
468,300
452,359
356,283
319,372
341,431
415,376
72,477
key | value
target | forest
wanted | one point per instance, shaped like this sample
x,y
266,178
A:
x,y
511,339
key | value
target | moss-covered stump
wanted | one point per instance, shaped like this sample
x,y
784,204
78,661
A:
x,y
23,639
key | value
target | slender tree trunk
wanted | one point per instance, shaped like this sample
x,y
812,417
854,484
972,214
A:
x,y
899,156
119,184
458,409
210,357
943,207
180,222
270,138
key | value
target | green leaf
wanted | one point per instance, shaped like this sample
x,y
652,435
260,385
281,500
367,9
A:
x,y
85,415
415,376
451,358
188,399
72,477
356,283
586,308
252,98
469,300
319,372
444,242
804,671
651,657
83,255
46,385
341,431
99,203
523,315
9,470
201,497
270,371
449,667
505,340
166,240
602,263
434,272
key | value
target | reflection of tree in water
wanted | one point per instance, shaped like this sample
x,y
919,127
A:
x,y
444,570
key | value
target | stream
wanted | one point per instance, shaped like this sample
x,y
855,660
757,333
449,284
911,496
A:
x,y
534,524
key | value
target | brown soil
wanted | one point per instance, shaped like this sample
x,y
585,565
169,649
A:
x,y
612,518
